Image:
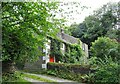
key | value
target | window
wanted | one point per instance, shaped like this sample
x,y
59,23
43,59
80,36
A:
x,y
62,46
83,46
44,58
44,66
44,50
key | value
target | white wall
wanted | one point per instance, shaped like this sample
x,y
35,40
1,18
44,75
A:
x,y
47,53
62,48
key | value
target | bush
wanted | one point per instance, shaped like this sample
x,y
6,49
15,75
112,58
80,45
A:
x,y
107,72
105,46
76,68
68,71
64,75
11,77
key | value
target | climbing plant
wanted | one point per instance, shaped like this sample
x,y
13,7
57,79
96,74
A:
x,y
75,53
55,49
72,54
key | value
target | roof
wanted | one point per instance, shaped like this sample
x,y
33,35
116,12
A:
x,y
67,38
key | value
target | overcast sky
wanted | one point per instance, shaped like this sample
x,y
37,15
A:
x,y
91,4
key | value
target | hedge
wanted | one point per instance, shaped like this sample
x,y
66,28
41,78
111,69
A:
x,y
73,72
76,68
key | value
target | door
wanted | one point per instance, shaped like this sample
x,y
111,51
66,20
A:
x,y
51,59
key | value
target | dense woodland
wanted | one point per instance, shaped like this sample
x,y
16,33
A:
x,y
103,22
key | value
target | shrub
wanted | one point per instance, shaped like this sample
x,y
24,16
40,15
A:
x,y
76,68
11,77
68,71
65,75
105,46
107,72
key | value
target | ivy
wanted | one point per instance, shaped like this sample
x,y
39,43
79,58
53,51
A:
x,y
55,49
72,54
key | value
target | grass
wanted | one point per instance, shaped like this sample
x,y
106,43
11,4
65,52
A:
x,y
14,78
18,78
37,78
19,81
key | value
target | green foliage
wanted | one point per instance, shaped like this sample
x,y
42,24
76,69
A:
x,y
18,82
105,61
25,26
55,49
72,54
67,71
20,64
51,72
55,46
11,77
77,68
107,72
76,53
102,23
36,77
105,46
14,78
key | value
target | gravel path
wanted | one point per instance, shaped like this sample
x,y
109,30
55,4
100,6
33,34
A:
x,y
31,80
58,80
34,81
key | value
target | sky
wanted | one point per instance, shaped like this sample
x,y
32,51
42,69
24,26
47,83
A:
x,y
79,17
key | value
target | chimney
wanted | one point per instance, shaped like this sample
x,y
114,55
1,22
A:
x,y
62,31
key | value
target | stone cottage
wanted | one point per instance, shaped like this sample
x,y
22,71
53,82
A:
x,y
43,60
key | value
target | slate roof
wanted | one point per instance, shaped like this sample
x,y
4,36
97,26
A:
x,y
67,38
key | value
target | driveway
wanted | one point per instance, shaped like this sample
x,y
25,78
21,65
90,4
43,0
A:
x,y
58,80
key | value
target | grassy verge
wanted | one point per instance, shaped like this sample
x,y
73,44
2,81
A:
x,y
37,78
19,81
61,74
14,78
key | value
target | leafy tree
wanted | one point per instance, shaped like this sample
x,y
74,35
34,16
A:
x,y
25,26
74,30
105,46
109,16
102,23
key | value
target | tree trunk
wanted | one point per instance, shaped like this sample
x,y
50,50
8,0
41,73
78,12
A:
x,y
8,66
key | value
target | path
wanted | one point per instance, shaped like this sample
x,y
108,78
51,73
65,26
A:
x,y
31,80
59,80
34,81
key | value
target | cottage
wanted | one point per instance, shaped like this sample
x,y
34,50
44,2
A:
x,y
65,39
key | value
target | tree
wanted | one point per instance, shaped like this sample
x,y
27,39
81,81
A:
x,y
25,27
101,23
105,46
73,29
108,16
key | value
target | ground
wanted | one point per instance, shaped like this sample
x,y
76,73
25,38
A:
x,y
56,80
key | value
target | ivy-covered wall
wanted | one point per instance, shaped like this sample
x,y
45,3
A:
x,y
55,49
73,52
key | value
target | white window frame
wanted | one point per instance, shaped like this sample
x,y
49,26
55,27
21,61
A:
x,y
44,66
44,57
83,46
63,46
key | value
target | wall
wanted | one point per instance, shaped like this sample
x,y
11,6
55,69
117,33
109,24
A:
x,y
34,65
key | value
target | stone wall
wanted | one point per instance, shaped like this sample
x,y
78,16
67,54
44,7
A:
x,y
34,65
